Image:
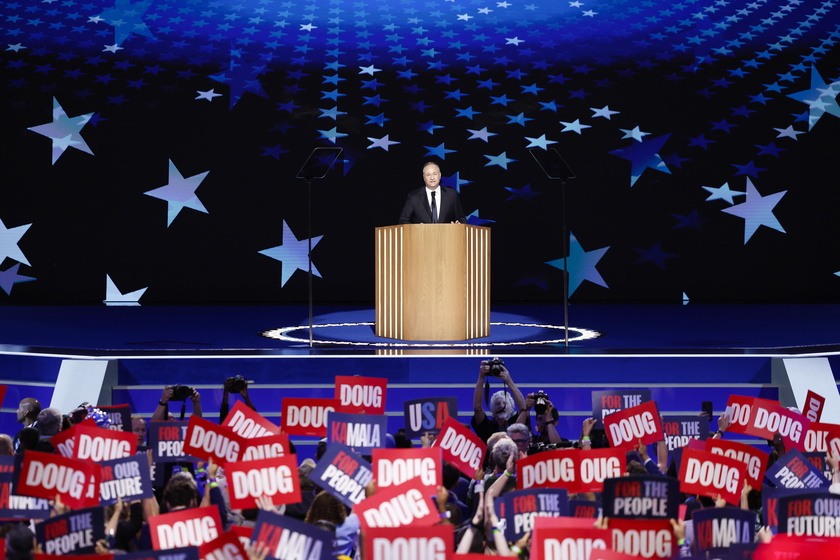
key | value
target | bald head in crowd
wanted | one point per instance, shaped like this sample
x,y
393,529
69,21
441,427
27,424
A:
x,y
28,411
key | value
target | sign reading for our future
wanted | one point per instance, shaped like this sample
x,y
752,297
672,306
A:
x,y
126,479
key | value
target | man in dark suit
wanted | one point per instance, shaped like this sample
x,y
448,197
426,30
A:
x,y
444,200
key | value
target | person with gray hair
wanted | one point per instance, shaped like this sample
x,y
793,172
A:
x,y
503,404
521,436
49,422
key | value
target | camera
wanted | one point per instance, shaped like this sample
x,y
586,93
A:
x,y
495,365
181,393
539,447
236,384
540,398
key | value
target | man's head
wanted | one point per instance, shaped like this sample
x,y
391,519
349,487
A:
x,y
28,411
138,426
431,175
521,436
6,445
503,449
501,407
180,492
49,421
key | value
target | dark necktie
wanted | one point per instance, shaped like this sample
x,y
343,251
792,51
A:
x,y
434,208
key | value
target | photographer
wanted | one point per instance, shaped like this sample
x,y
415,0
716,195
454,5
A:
x,y
237,384
502,404
547,417
176,393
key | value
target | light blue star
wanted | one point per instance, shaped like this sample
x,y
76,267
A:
x,y
208,95
635,134
10,277
292,254
331,113
541,142
179,193
379,119
480,134
757,211
368,70
439,151
581,265
722,193
475,220
575,126
331,134
518,119
65,132
644,155
9,239
454,181
821,98
114,297
383,142
501,160
603,112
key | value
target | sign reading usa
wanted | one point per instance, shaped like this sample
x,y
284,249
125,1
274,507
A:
x,y
428,415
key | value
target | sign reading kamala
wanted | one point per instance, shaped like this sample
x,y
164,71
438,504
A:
x,y
128,479
186,527
707,474
290,539
208,440
810,515
13,506
648,497
607,402
307,417
627,427
764,418
428,415
361,395
392,467
410,543
794,470
43,475
343,473
720,528
166,440
362,432
755,460
276,479
248,423
409,503
461,447
522,506
72,533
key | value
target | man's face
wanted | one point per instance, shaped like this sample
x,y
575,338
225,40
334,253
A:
x,y
138,426
22,411
431,176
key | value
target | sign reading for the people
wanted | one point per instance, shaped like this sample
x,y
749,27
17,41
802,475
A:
x,y
248,423
43,475
717,529
362,432
754,459
392,467
461,447
810,515
75,532
343,473
589,509
291,539
185,527
646,497
794,470
428,414
575,470
680,430
276,479
207,440
410,503
127,479
610,401
414,543
628,427
523,506
361,395
307,417
166,440
707,474
764,418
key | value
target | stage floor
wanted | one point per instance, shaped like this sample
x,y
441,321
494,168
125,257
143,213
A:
x,y
538,329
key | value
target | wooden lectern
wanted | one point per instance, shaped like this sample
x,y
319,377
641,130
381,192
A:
x,y
432,282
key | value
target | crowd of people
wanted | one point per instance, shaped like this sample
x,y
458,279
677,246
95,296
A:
x,y
515,427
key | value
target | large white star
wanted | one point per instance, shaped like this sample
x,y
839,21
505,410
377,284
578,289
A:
x,y
9,239
292,254
179,193
114,297
757,211
64,131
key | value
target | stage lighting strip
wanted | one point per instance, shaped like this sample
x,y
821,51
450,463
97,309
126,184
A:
x,y
283,334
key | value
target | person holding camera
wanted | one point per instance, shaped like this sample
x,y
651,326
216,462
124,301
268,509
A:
x,y
546,419
236,384
176,393
503,404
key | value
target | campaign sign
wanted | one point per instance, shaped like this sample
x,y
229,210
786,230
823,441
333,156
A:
x,y
13,506
588,509
788,547
243,534
226,547
208,440
707,474
166,440
186,553
276,479
100,444
392,467
625,428
770,504
266,447
43,475
549,469
755,460
361,395
646,497
42,556
764,418
428,415
120,417
72,533
566,538
607,402
522,506
185,527
248,423
644,538
404,543
410,503
307,417
794,470
680,430
362,432
818,460
343,473
128,479
610,555
460,447
814,404
291,539
594,466
720,528
818,438
810,515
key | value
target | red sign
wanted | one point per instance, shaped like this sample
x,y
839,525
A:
x,y
562,538
361,395
43,475
248,423
644,538
596,465
409,542
627,427
392,467
208,440
764,418
186,527
227,546
755,460
267,447
707,474
814,404
307,417
275,478
101,444
461,447
577,471
409,503
817,438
